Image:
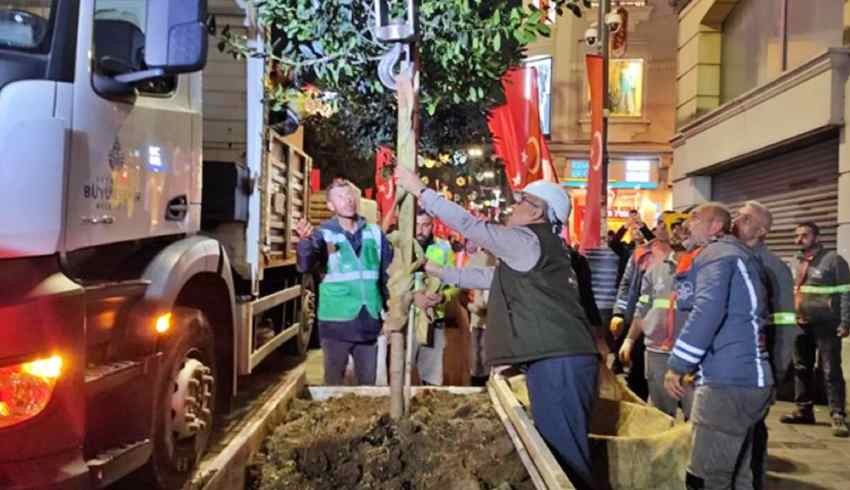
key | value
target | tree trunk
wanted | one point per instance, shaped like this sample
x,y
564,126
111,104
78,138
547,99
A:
x,y
407,87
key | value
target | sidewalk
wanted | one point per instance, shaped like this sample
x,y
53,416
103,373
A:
x,y
806,457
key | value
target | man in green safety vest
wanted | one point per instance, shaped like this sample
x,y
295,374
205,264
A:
x,y
822,287
429,357
351,258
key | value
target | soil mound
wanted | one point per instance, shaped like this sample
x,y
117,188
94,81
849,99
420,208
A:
x,y
449,442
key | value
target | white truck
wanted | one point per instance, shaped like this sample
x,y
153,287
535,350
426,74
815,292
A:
x,y
146,251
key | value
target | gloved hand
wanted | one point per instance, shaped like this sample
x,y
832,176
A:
x,y
843,330
616,325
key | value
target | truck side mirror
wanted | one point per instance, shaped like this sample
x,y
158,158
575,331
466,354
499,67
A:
x,y
176,35
175,39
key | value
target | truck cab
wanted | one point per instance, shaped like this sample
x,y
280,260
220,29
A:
x,y
124,324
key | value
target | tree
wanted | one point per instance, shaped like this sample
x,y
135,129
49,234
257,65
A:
x,y
465,46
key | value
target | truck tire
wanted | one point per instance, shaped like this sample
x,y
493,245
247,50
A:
x,y
185,401
301,342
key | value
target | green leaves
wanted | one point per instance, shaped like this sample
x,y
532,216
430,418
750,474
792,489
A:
x,y
465,47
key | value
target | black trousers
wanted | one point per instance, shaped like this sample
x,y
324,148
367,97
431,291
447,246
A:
x,y
819,338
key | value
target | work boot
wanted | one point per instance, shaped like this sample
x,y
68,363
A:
x,y
799,416
839,426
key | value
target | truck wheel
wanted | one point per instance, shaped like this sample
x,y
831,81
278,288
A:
x,y
301,342
185,403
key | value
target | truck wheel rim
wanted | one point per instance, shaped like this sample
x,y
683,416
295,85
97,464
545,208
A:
x,y
191,400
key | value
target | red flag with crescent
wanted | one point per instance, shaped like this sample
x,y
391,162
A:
x,y
385,195
591,233
515,126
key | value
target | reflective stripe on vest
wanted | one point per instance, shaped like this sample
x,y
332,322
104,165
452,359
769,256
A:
x,y
784,318
843,288
351,276
661,303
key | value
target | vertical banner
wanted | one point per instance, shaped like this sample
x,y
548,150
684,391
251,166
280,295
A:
x,y
515,126
385,188
590,233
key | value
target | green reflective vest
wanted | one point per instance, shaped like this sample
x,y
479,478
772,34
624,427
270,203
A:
x,y
351,282
440,253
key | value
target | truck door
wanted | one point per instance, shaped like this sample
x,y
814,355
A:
x,y
133,154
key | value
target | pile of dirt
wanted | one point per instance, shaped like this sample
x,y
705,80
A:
x,y
449,442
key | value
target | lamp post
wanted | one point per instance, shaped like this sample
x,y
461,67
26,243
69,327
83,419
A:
x,y
604,37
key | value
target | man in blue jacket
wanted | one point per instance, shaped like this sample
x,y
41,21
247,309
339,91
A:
x,y
351,258
721,345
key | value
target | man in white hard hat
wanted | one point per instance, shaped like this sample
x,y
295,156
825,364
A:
x,y
534,317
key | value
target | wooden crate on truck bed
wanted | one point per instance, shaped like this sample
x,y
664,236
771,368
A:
x,y
285,198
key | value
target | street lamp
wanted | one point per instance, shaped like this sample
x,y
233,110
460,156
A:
x,y
598,37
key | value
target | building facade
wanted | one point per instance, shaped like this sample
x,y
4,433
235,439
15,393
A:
x,y
761,112
642,98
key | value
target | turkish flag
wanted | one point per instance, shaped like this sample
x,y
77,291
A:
x,y
515,126
590,233
385,195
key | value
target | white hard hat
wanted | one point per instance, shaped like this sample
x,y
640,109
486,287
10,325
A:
x,y
556,198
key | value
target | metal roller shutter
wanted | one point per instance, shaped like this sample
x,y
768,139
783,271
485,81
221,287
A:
x,y
796,185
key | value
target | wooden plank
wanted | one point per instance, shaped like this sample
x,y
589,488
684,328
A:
x,y
279,202
277,239
226,470
543,458
266,349
276,299
536,478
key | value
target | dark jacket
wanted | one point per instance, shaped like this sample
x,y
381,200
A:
x,y
537,314
312,254
782,327
585,287
824,293
725,299
628,290
624,250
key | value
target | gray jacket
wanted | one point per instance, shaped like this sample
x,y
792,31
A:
x,y
723,338
654,303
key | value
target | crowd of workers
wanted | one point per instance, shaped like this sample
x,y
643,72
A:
x,y
707,319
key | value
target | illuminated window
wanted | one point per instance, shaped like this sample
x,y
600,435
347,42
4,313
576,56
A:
x,y
626,87
638,170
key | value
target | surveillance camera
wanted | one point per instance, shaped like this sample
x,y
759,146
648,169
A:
x,y
614,21
591,36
